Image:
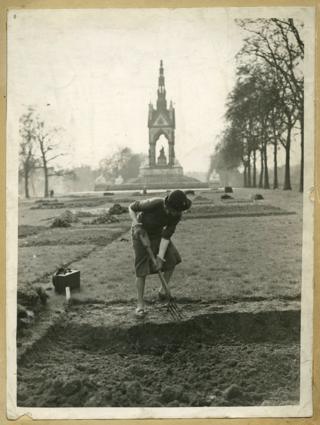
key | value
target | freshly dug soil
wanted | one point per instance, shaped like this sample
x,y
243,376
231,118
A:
x,y
99,355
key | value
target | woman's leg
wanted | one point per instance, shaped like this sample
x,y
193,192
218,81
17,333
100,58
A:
x,y
140,283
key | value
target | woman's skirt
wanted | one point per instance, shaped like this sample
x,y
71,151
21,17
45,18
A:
x,y
142,263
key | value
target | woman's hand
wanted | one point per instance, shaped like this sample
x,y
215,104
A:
x,y
159,264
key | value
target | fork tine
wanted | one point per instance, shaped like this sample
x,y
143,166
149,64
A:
x,y
179,312
172,301
174,310
174,307
177,316
173,313
171,306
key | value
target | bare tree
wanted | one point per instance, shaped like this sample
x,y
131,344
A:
x,y
48,143
27,152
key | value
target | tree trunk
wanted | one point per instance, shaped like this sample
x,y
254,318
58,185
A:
x,y
249,170
261,169
287,182
275,165
46,179
254,183
245,179
266,171
26,182
302,153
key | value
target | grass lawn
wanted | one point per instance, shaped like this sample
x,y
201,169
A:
x,y
224,259
36,262
235,258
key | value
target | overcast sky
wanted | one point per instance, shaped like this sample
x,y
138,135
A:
x,y
94,72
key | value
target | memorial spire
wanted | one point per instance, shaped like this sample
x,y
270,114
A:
x,y
161,101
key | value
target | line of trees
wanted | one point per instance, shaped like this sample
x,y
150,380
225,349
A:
x,y
39,147
265,108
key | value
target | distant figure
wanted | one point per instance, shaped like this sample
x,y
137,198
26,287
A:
x,y
144,190
51,193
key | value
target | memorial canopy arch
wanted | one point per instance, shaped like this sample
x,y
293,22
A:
x,y
161,121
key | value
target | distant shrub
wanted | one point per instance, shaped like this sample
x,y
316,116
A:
x,y
228,189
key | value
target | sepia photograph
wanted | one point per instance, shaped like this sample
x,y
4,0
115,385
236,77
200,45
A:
x,y
160,165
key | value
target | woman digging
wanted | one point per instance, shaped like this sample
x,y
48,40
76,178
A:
x,y
156,219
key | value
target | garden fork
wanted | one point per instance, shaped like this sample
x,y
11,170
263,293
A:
x,y
172,305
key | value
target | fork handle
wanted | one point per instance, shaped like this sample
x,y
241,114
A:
x,y
162,278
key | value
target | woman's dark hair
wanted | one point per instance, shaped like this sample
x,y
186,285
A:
x,y
178,200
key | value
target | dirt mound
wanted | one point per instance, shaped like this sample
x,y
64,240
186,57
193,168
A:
x,y
65,219
25,317
31,300
117,209
31,297
257,197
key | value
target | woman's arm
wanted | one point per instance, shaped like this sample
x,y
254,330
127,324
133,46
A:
x,y
133,216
